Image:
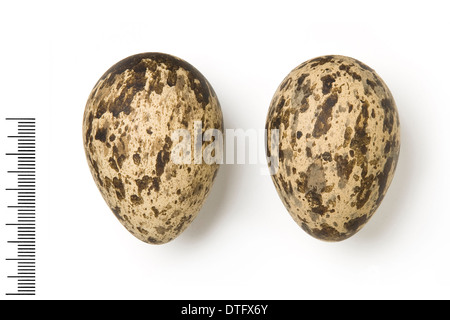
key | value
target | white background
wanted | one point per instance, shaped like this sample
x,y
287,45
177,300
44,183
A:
x,y
243,244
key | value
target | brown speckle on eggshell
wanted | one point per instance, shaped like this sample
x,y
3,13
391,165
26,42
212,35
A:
x,y
339,144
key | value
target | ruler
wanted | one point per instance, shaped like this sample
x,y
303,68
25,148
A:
x,y
21,207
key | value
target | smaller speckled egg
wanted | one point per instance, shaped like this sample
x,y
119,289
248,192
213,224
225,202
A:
x,y
128,125
339,142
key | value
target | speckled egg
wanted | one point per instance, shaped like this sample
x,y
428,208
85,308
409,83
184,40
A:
x,y
128,123
339,142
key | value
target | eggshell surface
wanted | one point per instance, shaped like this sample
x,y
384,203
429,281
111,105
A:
x,y
339,143
128,123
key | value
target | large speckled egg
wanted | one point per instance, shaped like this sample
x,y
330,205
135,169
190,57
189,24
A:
x,y
339,142
129,121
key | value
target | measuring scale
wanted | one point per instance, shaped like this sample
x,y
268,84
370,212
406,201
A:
x,y
21,206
